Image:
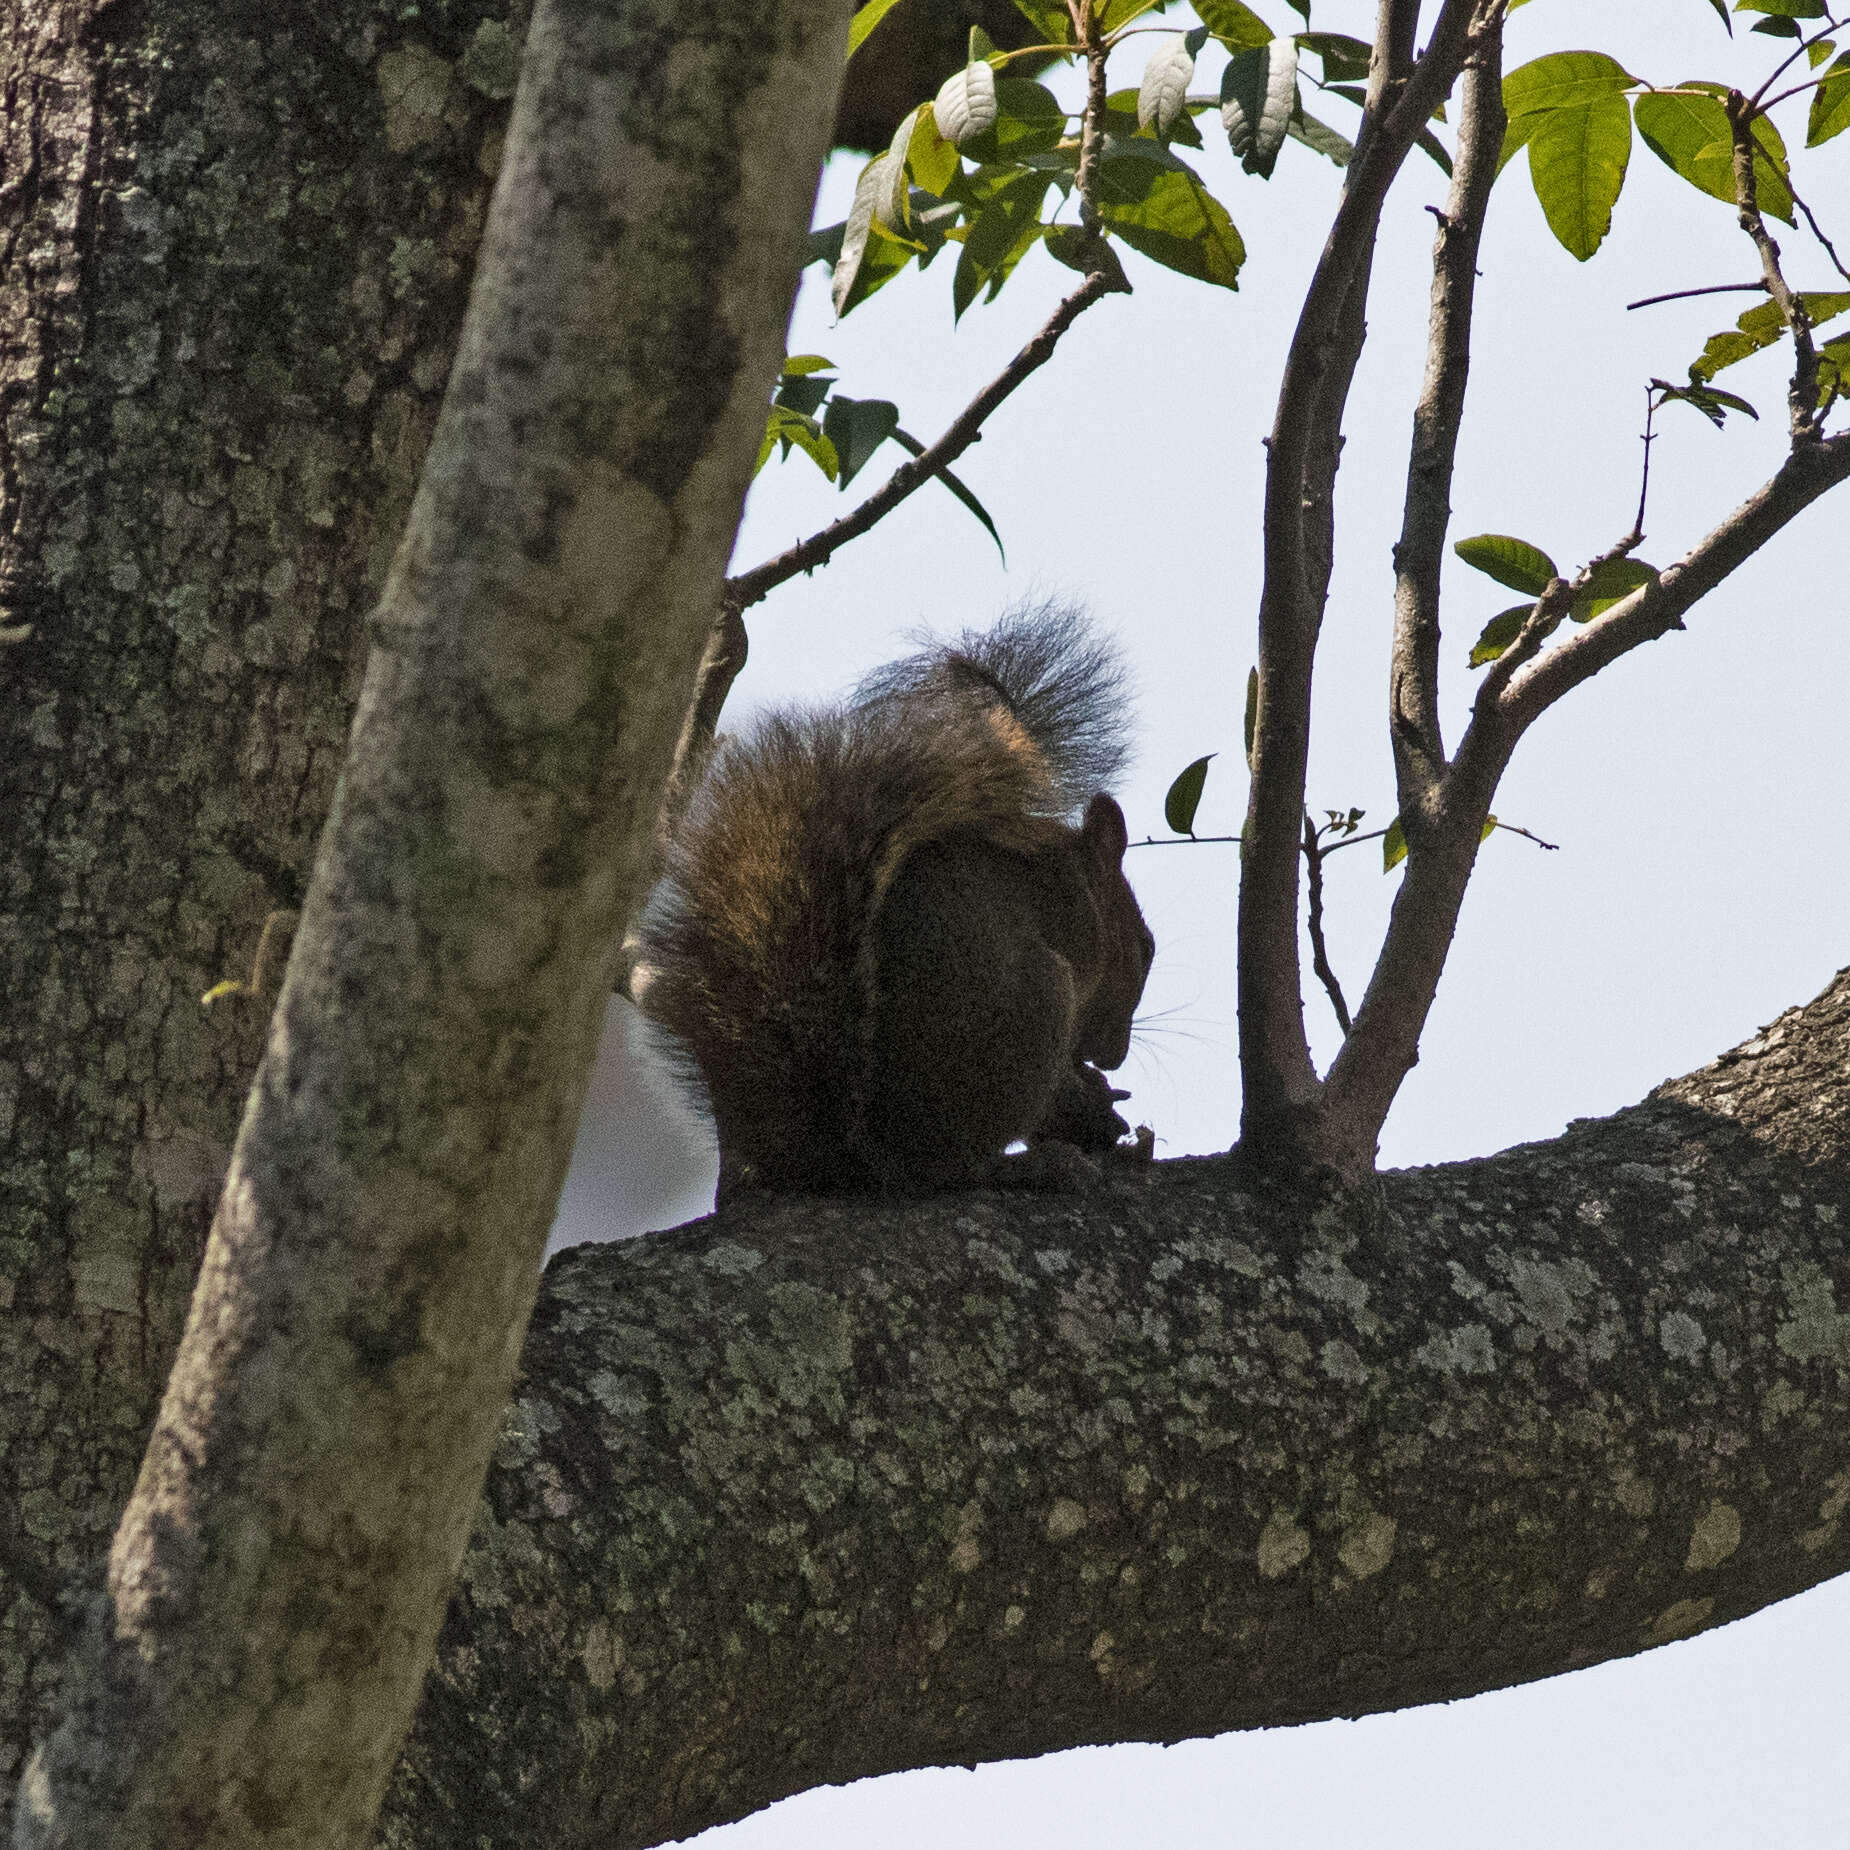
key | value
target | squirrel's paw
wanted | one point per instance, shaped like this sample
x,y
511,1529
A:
x,y
1083,1112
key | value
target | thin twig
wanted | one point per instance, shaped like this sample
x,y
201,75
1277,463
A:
x,y
1757,102
1353,841
1680,295
749,587
1817,231
1644,482
1319,952
1182,841
1509,828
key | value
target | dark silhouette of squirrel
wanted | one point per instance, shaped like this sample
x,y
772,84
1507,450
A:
x,y
880,951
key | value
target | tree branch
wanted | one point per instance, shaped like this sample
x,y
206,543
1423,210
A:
x,y
749,587
279,1575
1414,724
1279,1085
1655,609
1802,395
773,1508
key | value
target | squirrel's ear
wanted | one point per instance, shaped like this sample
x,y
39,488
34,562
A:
x,y
1104,831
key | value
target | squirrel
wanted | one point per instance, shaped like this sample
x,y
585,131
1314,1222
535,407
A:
x,y
880,950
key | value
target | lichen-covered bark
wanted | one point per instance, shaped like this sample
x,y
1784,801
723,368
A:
x,y
278,1576
234,250
819,1489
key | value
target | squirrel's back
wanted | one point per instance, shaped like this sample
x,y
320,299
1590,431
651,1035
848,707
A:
x,y
765,952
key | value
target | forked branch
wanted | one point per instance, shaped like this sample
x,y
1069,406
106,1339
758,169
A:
x,y
1280,1087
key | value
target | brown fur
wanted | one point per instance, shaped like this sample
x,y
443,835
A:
x,y
880,950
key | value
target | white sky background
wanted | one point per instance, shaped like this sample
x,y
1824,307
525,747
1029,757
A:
x,y
1696,790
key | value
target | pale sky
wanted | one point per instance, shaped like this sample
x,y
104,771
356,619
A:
x,y
1695,789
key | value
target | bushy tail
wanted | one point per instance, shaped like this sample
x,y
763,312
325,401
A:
x,y
1045,668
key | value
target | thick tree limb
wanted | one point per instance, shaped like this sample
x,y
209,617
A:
x,y
813,1490
278,1578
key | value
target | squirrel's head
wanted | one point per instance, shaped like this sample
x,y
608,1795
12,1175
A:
x,y
1103,1035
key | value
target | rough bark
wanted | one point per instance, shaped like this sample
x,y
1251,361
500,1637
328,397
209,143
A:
x,y
279,1576
814,1490
237,245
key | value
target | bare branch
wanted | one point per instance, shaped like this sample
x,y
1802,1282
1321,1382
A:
x,y
1654,609
750,587
1092,128
1683,295
1802,395
1414,727
1279,1083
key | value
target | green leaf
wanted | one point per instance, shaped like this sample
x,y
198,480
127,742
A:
x,y
1509,561
1121,121
1499,633
1050,19
1184,796
906,441
1577,160
1761,327
857,427
1783,9
1687,129
931,155
1078,250
965,106
802,392
1345,60
1563,80
1166,213
1834,368
1325,140
1002,231
1162,96
824,246
1830,104
1300,7
1430,143
869,256
1029,120
787,429
1393,846
866,18
1233,22
1713,404
1610,582
1258,97
982,47
798,364
1114,15
1252,712
1780,28
1721,6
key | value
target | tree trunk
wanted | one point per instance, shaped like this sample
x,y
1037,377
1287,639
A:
x,y
817,1489
237,250
277,1581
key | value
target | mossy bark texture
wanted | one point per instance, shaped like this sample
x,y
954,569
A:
x,y
814,1490
275,1585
